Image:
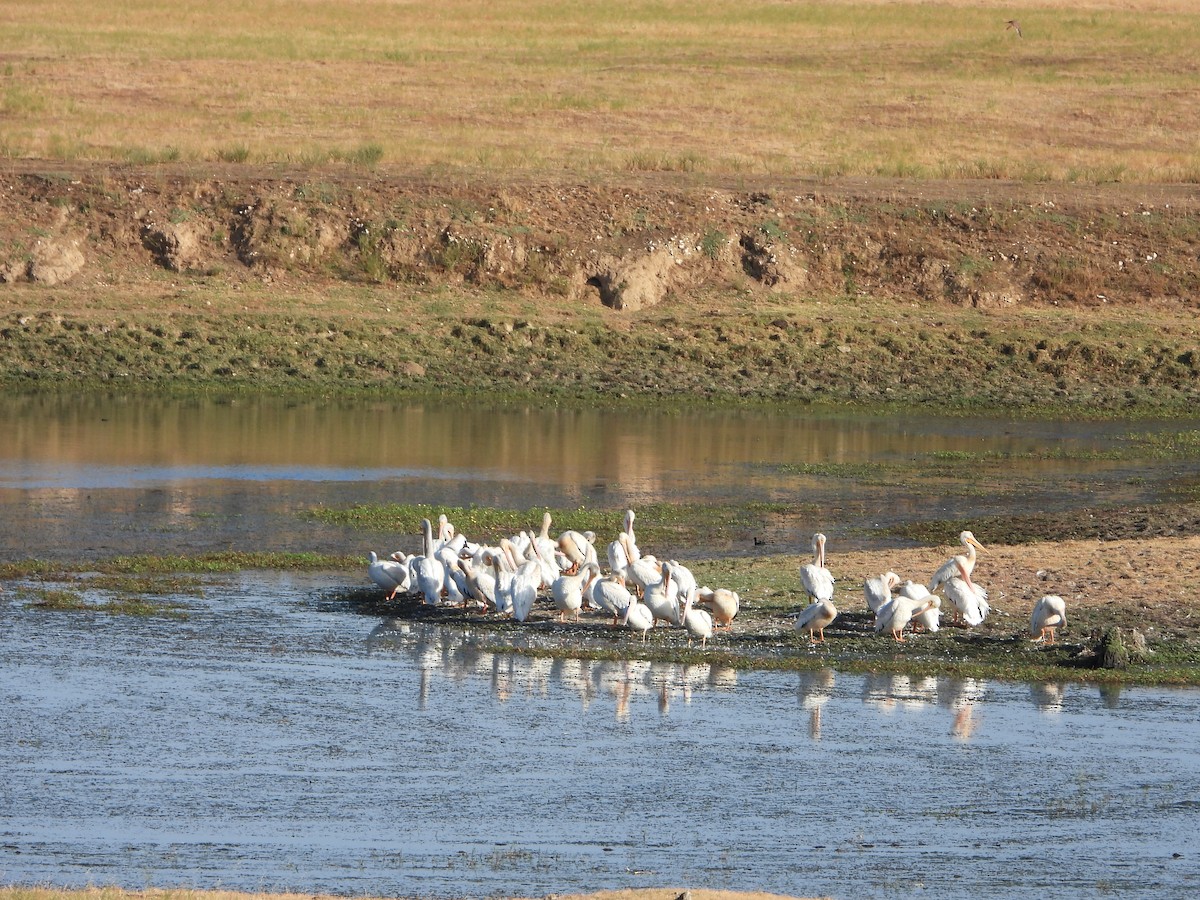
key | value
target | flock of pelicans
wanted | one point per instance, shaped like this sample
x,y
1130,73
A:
x,y
640,591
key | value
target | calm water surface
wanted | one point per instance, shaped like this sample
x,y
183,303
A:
x,y
275,740
95,476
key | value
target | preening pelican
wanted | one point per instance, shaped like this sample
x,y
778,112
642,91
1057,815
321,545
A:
x,y
578,550
816,617
431,572
390,575
817,580
526,581
960,566
662,598
567,590
698,622
1049,613
638,617
930,619
969,599
878,590
895,615
722,602
611,596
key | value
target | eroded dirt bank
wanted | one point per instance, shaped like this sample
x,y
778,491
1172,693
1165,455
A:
x,y
995,293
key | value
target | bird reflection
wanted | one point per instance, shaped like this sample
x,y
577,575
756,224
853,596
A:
x,y
813,690
965,722
1048,697
1110,695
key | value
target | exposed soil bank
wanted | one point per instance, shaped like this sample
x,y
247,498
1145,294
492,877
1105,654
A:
x,y
960,293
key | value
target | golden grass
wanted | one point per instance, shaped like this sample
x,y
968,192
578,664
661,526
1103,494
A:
x,y
1095,90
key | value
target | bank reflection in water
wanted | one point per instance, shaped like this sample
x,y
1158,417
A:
x,y
463,657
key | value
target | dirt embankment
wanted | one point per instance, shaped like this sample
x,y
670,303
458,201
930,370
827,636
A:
x,y
720,271
626,246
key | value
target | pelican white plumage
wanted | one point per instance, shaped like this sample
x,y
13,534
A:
x,y
878,589
643,570
895,615
931,618
502,574
526,581
481,584
816,578
969,599
578,549
815,618
1049,613
431,572
698,622
546,545
960,565
662,598
389,574
611,595
567,590
723,603
638,617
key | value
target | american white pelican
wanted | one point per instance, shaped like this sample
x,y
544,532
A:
x,y
878,590
643,570
817,580
698,622
960,566
431,572
969,599
546,545
662,598
502,573
1049,613
578,548
481,584
638,617
567,590
895,615
682,576
930,619
611,596
723,603
815,618
526,581
389,574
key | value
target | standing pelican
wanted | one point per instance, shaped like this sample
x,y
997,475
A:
x,y
526,581
567,590
961,565
1049,613
611,595
878,590
578,549
895,615
698,622
817,580
389,574
662,598
722,602
638,617
969,599
431,571
816,617
930,619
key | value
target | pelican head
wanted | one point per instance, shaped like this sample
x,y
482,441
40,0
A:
x,y
967,537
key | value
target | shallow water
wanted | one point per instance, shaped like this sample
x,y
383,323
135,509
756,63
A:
x,y
96,476
275,740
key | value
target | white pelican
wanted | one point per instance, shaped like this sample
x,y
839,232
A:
x,y
968,598
931,618
643,570
816,617
698,622
960,566
723,603
878,590
817,580
662,598
431,572
567,590
895,615
578,548
1049,613
526,581
389,574
546,545
481,584
611,596
638,617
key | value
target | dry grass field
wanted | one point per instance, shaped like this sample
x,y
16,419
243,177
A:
x,y
1089,90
